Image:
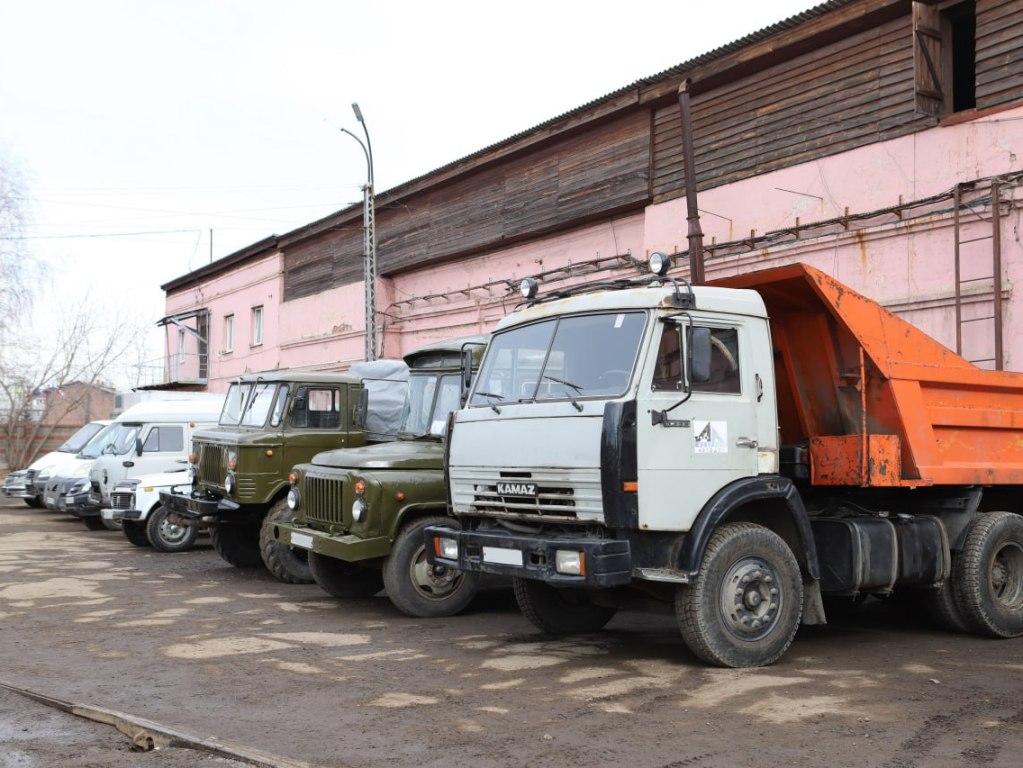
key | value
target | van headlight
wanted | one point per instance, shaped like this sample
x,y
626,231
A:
x,y
293,498
79,486
229,483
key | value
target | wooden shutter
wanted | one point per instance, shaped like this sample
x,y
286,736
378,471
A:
x,y
928,59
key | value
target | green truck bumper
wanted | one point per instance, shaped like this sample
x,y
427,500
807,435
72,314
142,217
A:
x,y
341,546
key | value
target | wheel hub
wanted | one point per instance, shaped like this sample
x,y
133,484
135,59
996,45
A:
x,y
1006,575
750,599
432,582
172,532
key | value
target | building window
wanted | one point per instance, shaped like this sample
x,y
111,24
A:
x,y
257,326
944,58
229,333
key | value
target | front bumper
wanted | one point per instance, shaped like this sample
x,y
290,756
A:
x,y
195,509
79,505
346,547
608,561
121,514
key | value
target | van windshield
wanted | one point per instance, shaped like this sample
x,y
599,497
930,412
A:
x,y
234,404
81,438
258,407
561,359
430,399
117,439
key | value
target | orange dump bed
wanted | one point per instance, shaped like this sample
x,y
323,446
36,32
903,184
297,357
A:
x,y
880,402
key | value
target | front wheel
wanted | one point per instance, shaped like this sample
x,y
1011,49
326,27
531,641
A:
x,y
166,536
135,533
237,544
744,607
988,575
94,523
343,579
560,610
35,502
418,589
286,563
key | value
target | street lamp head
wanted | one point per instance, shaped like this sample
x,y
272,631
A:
x,y
357,111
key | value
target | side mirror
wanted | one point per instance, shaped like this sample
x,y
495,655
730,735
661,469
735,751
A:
x,y
466,374
138,446
698,355
361,409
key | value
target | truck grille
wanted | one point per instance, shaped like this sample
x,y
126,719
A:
x,y
566,495
322,499
212,464
122,500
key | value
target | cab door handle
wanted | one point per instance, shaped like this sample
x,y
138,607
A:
x,y
746,442
128,464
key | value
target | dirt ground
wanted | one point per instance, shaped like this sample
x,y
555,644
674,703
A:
x,y
191,643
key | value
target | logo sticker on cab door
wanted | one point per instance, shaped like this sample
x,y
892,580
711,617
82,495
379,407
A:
x,y
710,436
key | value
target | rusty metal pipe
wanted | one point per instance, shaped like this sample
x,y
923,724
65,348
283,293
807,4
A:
x,y
996,248
696,273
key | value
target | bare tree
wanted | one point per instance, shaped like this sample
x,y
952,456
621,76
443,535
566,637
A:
x,y
16,266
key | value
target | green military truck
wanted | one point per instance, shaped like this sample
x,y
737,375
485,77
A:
x,y
360,512
239,469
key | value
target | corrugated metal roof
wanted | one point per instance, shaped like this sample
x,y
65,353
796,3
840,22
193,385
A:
x,y
754,37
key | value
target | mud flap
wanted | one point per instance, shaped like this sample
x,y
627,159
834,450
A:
x,y
813,604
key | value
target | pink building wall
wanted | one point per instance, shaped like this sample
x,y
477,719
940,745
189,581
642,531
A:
x,y
905,265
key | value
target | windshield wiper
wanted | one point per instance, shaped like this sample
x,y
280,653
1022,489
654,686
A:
x,y
576,387
490,394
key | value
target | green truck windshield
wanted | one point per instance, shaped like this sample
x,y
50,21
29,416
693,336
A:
x,y
430,399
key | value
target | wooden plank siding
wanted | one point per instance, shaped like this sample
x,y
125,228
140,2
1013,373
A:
x,y
854,92
999,52
591,174
852,89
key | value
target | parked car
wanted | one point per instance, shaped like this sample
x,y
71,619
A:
x,y
135,505
360,512
152,436
29,484
270,422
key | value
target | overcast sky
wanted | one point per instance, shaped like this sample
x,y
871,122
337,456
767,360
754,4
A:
x,y
147,117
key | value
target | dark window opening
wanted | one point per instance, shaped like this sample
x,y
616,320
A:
x,y
962,24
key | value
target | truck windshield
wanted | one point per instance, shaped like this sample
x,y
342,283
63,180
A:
x,y
258,407
81,438
430,400
562,358
234,403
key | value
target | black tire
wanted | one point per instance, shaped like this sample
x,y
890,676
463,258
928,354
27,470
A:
x,y
166,536
763,611
414,587
135,532
988,575
941,607
94,523
35,502
343,579
287,564
237,544
560,611
111,525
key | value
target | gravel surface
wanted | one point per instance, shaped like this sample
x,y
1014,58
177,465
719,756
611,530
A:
x,y
192,643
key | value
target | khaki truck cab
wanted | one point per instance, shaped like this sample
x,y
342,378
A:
x,y
639,440
360,513
238,475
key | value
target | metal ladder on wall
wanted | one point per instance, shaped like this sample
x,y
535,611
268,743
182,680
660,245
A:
x,y
995,277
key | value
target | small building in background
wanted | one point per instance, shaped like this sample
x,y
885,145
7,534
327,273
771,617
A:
x,y
879,141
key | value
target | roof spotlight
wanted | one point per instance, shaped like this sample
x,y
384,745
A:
x,y
528,288
659,263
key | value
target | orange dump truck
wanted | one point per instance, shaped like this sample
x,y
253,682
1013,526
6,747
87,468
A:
x,y
740,450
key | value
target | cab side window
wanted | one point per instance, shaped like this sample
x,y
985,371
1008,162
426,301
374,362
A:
x,y
316,408
164,440
724,362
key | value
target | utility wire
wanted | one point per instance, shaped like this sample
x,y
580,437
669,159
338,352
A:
x,y
102,234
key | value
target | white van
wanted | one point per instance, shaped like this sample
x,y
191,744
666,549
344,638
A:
x,y
153,436
29,483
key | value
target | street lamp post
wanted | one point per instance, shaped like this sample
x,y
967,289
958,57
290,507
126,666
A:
x,y
369,240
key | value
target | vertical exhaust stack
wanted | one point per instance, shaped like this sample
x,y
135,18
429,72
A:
x,y
696,275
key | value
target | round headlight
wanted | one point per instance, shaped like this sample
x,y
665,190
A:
x,y
191,475
528,288
293,498
659,263
358,510
229,483
232,460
